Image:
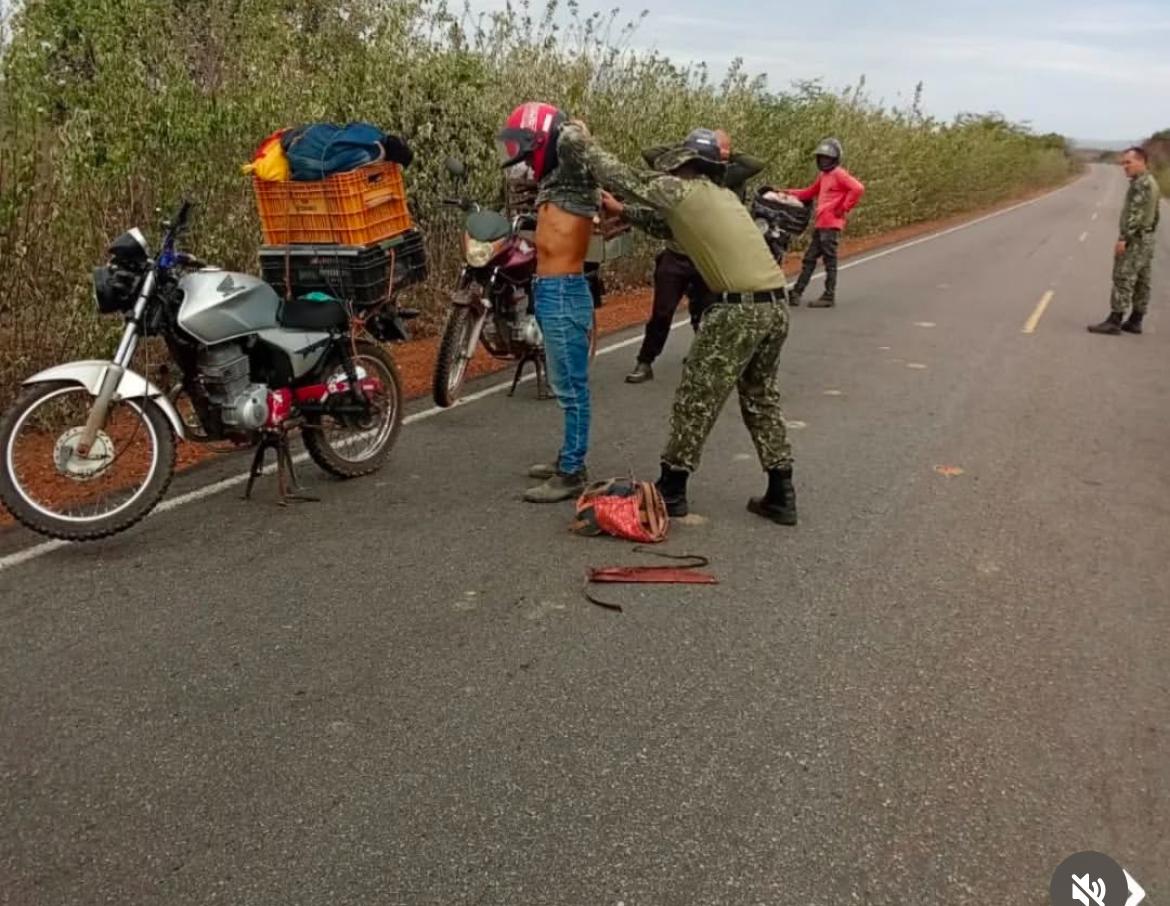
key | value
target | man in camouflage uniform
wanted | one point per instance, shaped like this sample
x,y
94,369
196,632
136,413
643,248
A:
x,y
1134,252
674,273
746,322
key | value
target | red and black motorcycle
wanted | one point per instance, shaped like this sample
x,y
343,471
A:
x,y
492,303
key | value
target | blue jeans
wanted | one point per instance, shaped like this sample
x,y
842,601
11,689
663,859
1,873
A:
x,y
564,311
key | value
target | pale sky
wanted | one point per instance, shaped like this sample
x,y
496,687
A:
x,y
1089,70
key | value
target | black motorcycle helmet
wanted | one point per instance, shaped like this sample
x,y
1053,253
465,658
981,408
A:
x,y
705,142
828,154
703,146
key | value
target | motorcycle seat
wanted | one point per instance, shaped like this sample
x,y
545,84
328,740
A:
x,y
316,311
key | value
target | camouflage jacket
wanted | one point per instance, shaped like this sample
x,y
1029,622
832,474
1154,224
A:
x,y
570,186
740,168
707,222
1139,214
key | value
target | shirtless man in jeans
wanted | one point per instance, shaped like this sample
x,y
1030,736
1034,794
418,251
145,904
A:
x,y
567,202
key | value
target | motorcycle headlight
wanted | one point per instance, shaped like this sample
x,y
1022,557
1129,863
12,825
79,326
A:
x,y
478,253
762,225
113,289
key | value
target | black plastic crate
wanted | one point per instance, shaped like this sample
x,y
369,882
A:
x,y
357,273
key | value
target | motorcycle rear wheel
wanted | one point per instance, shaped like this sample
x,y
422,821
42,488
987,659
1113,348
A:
x,y
330,441
49,488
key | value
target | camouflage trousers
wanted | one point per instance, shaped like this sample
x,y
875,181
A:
x,y
1131,276
738,346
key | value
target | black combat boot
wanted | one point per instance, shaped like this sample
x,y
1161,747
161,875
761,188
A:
x,y
1134,324
779,501
1111,325
641,374
672,485
827,300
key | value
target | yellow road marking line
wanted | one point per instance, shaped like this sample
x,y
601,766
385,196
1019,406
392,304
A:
x,y
1030,324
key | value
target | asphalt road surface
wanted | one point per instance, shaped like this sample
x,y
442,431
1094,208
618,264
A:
x,y
934,690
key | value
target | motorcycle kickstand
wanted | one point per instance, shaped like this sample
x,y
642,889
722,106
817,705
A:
x,y
516,377
257,468
543,390
285,470
289,487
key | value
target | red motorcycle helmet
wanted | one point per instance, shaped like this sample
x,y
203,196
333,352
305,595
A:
x,y
530,134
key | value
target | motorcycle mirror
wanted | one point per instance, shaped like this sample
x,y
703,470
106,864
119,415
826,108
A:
x,y
456,168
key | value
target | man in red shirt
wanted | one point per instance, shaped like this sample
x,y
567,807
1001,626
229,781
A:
x,y
837,192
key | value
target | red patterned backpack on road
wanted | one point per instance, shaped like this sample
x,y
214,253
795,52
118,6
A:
x,y
624,508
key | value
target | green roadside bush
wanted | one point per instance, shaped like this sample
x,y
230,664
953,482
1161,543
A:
x,y
111,109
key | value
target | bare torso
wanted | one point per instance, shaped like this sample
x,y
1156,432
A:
x,y
562,241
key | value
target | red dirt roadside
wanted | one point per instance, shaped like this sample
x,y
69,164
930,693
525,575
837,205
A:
x,y
416,359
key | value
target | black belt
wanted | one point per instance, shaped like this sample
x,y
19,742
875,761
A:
x,y
768,295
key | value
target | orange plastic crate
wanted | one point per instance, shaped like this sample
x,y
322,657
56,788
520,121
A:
x,y
356,208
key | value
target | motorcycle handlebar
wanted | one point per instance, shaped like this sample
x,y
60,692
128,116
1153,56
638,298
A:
x,y
167,257
190,261
178,224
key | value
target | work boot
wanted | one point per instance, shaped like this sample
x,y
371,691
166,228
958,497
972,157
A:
x,y
1111,325
543,470
561,486
794,299
1134,324
825,301
672,485
779,501
641,374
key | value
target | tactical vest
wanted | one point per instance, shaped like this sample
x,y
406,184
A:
x,y
718,234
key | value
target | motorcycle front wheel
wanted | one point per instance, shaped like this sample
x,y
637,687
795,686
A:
x,y
49,487
454,356
350,448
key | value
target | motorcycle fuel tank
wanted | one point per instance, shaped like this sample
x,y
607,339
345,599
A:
x,y
219,306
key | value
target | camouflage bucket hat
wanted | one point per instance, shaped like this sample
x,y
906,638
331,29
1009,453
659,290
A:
x,y
676,157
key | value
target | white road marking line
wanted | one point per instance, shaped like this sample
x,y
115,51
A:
x,y
1084,236
47,547
1030,325
31,553
955,229
1096,214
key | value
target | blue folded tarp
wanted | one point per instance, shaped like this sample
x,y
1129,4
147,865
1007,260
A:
x,y
319,150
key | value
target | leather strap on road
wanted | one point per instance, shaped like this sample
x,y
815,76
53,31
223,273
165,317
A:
x,y
685,574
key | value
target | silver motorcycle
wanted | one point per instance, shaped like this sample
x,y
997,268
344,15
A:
x,y
89,447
